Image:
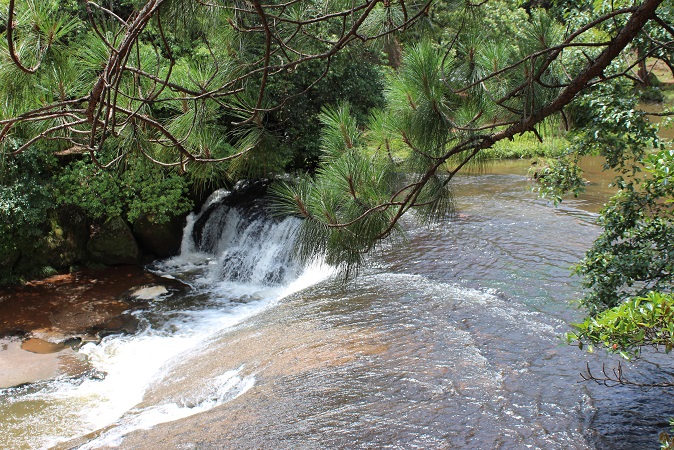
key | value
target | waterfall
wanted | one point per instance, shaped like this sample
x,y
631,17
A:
x,y
228,246
238,262
250,247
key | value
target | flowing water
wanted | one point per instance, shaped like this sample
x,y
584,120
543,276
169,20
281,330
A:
x,y
447,340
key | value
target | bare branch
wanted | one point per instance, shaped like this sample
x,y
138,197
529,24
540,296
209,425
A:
x,y
616,377
10,43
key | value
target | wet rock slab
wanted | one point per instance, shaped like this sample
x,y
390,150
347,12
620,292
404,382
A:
x,y
43,322
77,303
37,361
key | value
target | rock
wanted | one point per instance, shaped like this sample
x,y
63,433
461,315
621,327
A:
x,y
112,242
66,243
248,194
245,191
122,324
35,345
148,292
160,239
70,320
67,305
43,340
18,366
62,245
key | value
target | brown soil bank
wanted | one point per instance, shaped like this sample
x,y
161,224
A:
x,y
77,303
43,316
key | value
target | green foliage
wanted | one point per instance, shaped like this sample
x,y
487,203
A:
x,y
558,177
529,146
137,190
40,27
496,19
25,198
627,328
608,123
634,253
421,104
351,77
265,157
357,194
352,183
185,110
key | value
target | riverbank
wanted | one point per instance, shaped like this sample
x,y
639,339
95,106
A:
x,y
43,322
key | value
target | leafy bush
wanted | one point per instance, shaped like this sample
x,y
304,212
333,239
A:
x,y
25,198
139,189
558,177
607,122
635,252
625,329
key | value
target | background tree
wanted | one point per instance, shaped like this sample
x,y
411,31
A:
x,y
186,86
115,104
448,103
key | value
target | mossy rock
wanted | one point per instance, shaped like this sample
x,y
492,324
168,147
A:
x,y
159,239
66,242
112,242
62,245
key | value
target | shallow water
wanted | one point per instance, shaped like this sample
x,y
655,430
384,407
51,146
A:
x,y
447,340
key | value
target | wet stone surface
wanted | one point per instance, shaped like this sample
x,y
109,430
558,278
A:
x,y
43,323
38,360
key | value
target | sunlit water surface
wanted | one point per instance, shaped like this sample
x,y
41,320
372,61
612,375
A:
x,y
449,339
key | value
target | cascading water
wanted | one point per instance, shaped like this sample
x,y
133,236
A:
x,y
448,341
240,246
242,265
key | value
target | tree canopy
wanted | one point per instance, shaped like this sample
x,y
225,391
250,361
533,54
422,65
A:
x,y
210,91
447,103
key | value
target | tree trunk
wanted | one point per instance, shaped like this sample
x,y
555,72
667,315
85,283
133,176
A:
x,y
394,52
643,73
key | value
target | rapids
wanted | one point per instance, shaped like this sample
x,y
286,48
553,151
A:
x,y
447,340
242,265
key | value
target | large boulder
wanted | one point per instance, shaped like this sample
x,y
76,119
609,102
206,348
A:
x,y
62,245
247,194
159,239
112,242
67,238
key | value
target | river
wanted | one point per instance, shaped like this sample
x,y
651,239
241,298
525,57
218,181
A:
x,y
447,340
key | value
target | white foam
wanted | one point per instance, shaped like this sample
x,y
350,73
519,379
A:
x,y
223,388
131,364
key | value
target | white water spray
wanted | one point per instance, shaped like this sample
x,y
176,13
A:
x,y
242,266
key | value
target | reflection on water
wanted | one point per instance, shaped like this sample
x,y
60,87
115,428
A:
x,y
595,194
448,340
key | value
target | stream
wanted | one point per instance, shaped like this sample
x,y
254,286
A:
x,y
447,340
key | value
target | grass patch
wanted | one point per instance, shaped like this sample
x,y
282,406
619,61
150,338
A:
x,y
527,146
